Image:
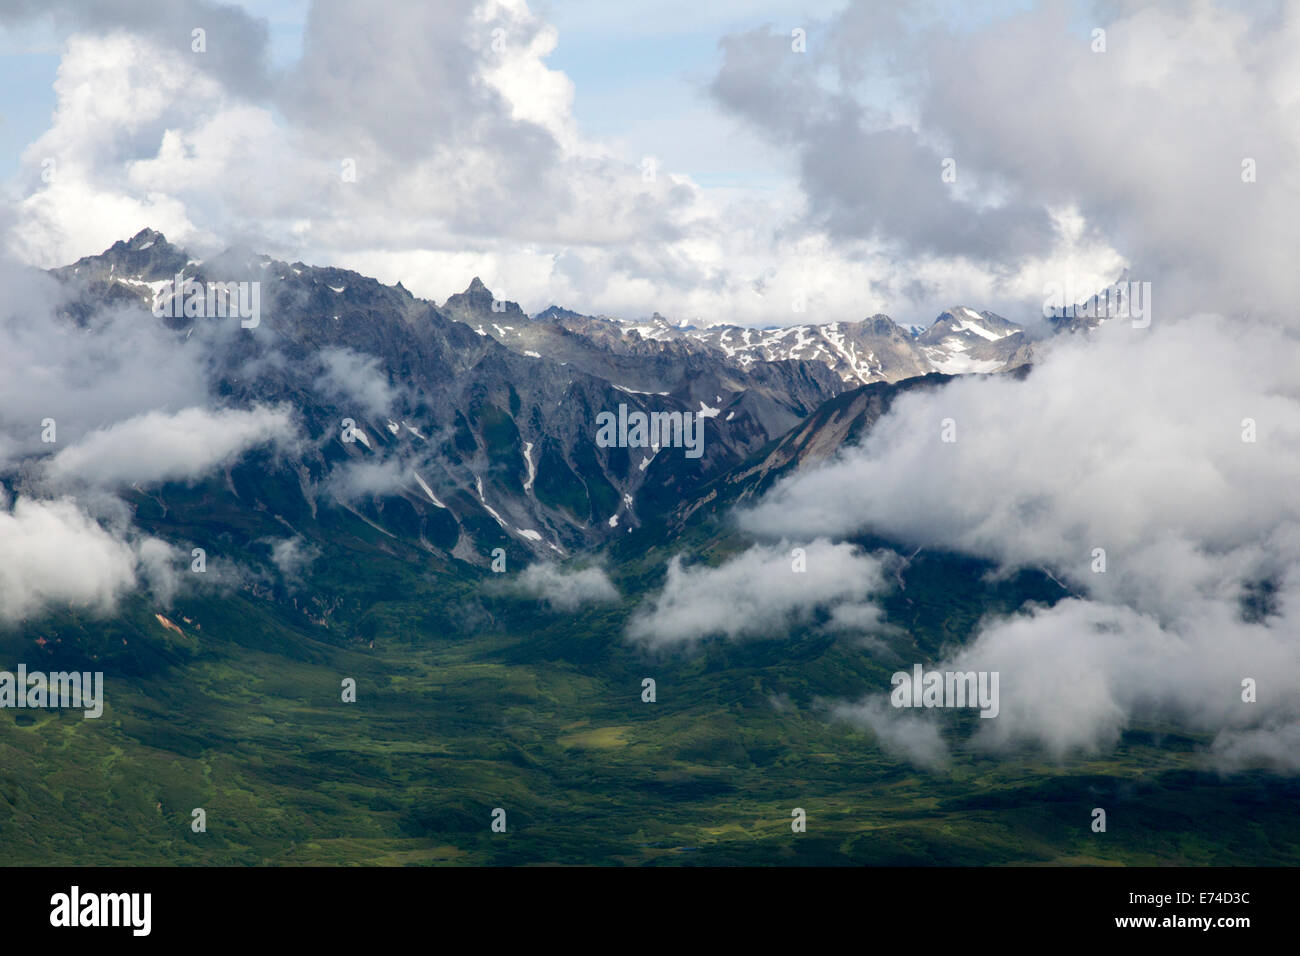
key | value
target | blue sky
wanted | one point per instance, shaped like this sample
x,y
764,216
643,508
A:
x,y
29,61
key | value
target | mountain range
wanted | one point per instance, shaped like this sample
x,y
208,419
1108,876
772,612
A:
x,y
875,349
474,424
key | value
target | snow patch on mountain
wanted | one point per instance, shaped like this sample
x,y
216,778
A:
x,y
532,467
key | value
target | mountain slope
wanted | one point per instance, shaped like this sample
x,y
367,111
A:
x,y
416,423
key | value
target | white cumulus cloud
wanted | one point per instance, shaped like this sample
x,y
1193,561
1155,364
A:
x,y
757,593
159,446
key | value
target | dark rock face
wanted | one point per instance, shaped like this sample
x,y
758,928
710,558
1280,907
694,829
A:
x,y
460,444
468,427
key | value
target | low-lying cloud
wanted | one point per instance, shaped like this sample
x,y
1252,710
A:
x,y
358,379
159,446
53,553
1151,471
567,589
293,556
116,365
906,735
758,593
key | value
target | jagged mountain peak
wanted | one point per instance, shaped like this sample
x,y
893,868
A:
x,y
477,303
146,256
962,340
146,235
962,320
556,313
880,324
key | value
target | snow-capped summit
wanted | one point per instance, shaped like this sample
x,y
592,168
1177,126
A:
x,y
874,349
963,340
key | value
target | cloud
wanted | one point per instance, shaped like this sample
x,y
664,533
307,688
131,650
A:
x,y
1178,101
756,594
118,364
1274,747
358,378
480,168
1043,128
158,446
353,480
236,44
160,566
52,553
1131,442
863,175
1128,443
468,155
445,100
293,556
1074,676
566,589
910,736
87,404
1071,164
